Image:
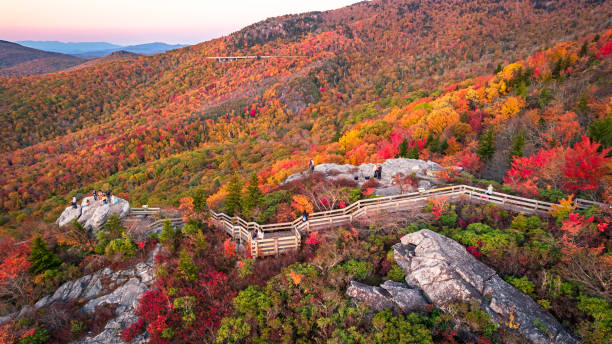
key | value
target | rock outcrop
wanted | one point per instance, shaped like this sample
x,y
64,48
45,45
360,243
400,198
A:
x,y
390,295
448,274
390,168
93,214
121,288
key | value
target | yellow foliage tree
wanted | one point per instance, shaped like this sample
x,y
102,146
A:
x,y
215,200
349,140
301,203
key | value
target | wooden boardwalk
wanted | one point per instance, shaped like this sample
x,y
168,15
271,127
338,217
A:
x,y
286,236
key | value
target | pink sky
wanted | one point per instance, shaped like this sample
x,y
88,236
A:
x,y
140,21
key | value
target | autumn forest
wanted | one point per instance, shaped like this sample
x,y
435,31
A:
x,y
512,94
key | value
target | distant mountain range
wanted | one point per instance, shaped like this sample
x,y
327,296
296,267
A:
x,y
16,59
98,49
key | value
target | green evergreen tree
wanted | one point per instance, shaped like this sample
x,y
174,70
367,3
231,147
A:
x,y
41,258
486,146
168,235
199,200
113,227
601,131
232,201
498,69
253,195
403,149
186,268
413,153
518,145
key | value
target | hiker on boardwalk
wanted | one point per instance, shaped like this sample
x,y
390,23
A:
x,y
304,216
311,166
74,202
489,189
95,194
254,236
378,172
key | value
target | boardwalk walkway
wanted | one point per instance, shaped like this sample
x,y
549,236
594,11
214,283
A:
x,y
282,237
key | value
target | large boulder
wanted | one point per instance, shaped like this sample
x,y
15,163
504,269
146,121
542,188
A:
x,y
390,295
407,299
448,274
93,214
390,168
375,297
69,214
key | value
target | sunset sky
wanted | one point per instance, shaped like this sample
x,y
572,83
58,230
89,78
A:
x,y
141,21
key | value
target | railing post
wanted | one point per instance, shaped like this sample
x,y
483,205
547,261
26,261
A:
x,y
276,246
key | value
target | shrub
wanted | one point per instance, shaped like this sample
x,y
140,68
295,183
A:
x,y
233,330
522,283
396,273
357,268
35,336
599,331
400,329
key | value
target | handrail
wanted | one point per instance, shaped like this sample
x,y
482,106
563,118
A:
x,y
362,206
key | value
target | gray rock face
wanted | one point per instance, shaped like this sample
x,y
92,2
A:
x,y
129,286
448,274
123,288
375,297
406,298
69,214
390,295
94,215
390,168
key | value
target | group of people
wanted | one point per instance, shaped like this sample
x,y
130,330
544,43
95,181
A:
x,y
105,197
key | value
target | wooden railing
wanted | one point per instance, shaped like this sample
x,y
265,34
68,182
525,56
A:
x,y
286,236
144,211
159,224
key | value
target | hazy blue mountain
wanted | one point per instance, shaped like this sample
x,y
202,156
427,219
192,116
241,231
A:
x,y
90,50
72,48
144,49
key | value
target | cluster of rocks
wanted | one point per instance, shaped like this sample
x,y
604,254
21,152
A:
x,y
93,214
424,171
441,271
122,288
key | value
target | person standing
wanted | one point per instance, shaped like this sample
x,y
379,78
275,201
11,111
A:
x,y
74,202
95,195
311,165
489,190
379,171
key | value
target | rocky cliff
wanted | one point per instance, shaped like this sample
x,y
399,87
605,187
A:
x,y
444,273
424,171
93,214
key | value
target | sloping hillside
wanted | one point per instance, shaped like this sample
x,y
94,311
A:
x,y
70,129
19,60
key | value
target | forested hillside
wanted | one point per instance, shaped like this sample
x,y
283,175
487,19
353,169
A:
x,y
67,130
515,95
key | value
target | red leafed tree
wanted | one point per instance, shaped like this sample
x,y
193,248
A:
x,y
584,166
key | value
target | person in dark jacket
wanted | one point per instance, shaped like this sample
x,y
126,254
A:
x,y
95,195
